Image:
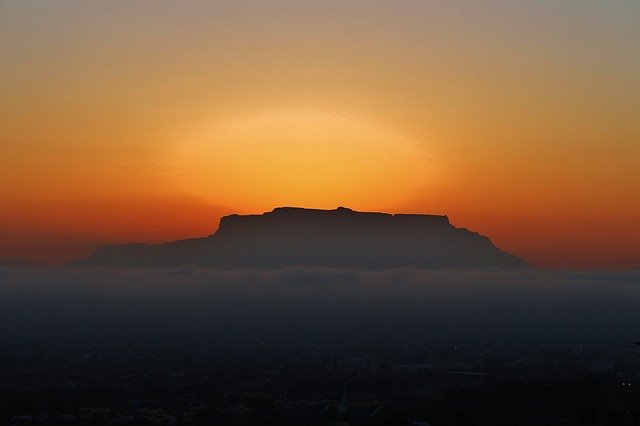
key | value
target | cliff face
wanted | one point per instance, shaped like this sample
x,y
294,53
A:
x,y
335,238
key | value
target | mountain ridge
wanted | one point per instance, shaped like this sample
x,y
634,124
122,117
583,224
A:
x,y
17,263
342,238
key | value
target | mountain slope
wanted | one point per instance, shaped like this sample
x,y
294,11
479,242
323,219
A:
x,y
340,238
16,263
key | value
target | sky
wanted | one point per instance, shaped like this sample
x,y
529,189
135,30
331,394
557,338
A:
x,y
147,121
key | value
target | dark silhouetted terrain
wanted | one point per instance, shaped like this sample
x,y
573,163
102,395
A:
x,y
202,346
340,238
15,263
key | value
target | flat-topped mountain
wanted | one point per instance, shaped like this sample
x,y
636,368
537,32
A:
x,y
16,263
340,238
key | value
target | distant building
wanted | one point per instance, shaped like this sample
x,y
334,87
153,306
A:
x,y
342,407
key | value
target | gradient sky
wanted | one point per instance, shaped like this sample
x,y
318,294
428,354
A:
x,y
146,121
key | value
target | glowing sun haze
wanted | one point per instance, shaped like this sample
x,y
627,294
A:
x,y
304,158
147,121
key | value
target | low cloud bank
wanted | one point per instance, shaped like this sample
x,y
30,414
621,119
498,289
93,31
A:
x,y
449,305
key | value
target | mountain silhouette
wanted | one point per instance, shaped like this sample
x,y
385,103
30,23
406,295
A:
x,y
16,263
340,238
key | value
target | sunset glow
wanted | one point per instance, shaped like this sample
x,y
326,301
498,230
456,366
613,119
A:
x,y
303,158
148,121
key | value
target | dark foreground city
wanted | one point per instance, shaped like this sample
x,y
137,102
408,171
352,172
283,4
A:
x,y
371,380
319,346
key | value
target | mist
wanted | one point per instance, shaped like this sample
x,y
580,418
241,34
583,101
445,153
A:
x,y
295,303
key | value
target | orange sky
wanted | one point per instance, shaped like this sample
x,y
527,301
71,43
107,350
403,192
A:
x,y
126,122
